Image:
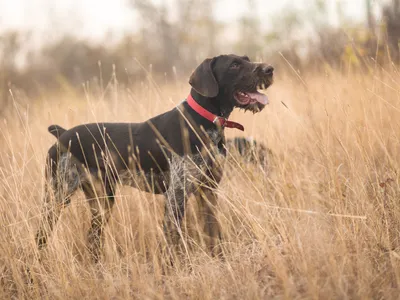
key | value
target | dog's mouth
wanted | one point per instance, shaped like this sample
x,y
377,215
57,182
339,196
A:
x,y
253,100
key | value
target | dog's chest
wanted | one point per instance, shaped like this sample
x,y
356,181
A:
x,y
217,139
215,136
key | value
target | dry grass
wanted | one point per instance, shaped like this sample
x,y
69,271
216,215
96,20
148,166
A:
x,y
293,232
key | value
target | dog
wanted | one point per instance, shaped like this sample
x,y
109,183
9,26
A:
x,y
177,153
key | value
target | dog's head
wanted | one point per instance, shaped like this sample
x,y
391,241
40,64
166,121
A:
x,y
235,79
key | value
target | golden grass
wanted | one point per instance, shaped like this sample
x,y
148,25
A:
x,y
323,222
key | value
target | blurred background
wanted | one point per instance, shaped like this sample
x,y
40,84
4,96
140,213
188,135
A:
x,y
48,45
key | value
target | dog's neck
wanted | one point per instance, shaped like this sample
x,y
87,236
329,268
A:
x,y
213,105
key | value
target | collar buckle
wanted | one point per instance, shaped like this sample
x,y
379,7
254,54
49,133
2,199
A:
x,y
220,121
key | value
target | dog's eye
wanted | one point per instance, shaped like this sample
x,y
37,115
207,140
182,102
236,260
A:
x,y
235,65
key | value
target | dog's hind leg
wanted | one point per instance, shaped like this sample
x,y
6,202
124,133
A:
x,y
51,211
63,182
101,201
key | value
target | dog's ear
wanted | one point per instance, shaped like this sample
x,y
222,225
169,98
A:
x,y
203,80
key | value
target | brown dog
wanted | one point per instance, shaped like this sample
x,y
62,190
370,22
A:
x,y
175,153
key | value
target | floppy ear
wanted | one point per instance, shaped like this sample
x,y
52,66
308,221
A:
x,y
203,81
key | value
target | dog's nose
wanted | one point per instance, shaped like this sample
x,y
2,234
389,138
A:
x,y
269,70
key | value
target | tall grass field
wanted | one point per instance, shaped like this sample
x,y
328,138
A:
x,y
320,220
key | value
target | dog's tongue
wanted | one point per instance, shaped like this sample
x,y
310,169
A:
x,y
259,97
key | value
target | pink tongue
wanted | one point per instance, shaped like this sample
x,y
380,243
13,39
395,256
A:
x,y
259,97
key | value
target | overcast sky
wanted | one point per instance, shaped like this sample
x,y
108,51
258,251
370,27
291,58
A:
x,y
93,18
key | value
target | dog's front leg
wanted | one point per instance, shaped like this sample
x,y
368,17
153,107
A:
x,y
174,212
208,204
176,196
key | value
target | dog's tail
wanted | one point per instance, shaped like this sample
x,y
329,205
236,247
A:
x,y
56,130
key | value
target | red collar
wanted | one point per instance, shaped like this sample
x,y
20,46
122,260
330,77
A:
x,y
217,120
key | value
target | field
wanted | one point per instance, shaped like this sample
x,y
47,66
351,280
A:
x,y
321,221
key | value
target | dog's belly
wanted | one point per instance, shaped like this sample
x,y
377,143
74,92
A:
x,y
151,182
